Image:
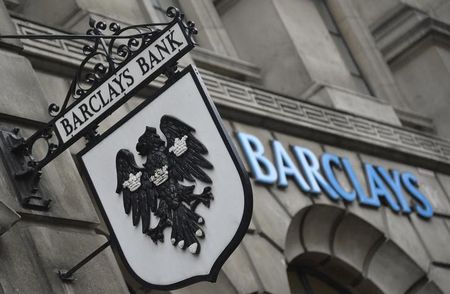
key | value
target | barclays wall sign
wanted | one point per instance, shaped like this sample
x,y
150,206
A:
x,y
398,190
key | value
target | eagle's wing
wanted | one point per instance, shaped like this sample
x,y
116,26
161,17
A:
x,y
139,196
185,151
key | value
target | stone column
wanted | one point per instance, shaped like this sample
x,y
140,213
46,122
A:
x,y
365,52
289,40
212,34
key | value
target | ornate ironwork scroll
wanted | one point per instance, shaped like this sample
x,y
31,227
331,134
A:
x,y
112,47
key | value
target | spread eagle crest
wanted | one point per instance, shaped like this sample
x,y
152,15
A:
x,y
156,187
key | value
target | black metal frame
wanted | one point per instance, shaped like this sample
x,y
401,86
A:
x,y
248,201
105,59
67,275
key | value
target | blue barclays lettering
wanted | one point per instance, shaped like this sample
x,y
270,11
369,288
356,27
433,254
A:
x,y
423,207
329,161
261,168
313,177
286,167
378,189
311,168
394,182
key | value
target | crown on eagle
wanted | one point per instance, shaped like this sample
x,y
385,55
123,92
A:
x,y
179,146
134,182
161,175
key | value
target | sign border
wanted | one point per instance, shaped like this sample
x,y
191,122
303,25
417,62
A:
x,y
245,180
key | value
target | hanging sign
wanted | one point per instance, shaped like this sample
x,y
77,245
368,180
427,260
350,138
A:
x,y
170,187
172,43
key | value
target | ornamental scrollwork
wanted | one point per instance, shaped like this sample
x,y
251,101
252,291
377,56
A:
x,y
112,46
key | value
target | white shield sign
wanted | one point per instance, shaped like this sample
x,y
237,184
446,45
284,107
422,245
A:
x,y
171,187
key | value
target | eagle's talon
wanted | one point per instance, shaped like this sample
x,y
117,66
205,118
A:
x,y
193,248
199,233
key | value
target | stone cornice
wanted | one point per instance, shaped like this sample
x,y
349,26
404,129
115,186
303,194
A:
x,y
280,112
403,29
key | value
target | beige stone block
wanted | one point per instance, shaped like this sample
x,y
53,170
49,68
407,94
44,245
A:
x,y
19,272
313,42
8,218
318,228
294,247
74,14
423,78
8,28
51,247
432,190
444,181
212,34
372,10
392,270
401,232
292,199
354,239
366,54
442,11
342,272
436,237
362,105
7,192
239,271
439,276
269,216
282,68
21,95
429,288
269,264
367,286
54,87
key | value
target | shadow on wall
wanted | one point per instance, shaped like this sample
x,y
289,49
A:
x,y
330,250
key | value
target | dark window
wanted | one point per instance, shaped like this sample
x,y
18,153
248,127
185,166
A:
x,y
314,282
342,47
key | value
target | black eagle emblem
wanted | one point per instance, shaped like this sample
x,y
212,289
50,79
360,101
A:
x,y
156,187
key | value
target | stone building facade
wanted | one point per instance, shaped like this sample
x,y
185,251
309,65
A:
x,y
365,81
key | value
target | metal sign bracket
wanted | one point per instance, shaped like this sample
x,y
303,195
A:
x,y
22,174
113,48
67,275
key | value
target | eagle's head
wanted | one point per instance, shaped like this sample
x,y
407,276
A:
x,y
149,141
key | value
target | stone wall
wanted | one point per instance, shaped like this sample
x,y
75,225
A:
x,y
43,242
273,71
